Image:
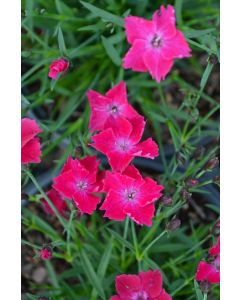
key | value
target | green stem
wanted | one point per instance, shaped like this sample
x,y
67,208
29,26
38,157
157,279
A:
x,y
205,296
135,242
125,237
152,243
30,175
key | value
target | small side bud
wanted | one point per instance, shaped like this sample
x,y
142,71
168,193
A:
x,y
191,182
167,201
212,163
46,253
213,59
173,225
78,152
205,286
185,194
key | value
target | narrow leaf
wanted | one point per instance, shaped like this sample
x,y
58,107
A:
x,y
103,14
206,75
111,51
61,42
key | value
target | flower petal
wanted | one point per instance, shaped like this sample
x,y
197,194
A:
x,y
134,58
148,149
141,215
156,64
151,282
137,28
29,129
126,285
150,192
164,21
104,141
31,152
113,207
86,202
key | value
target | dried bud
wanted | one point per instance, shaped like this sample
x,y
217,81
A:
x,y
167,201
186,195
173,225
46,253
212,163
24,196
205,286
213,59
78,152
216,180
198,153
191,182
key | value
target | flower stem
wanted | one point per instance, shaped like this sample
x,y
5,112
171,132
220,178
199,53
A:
x,y
30,175
152,243
125,237
135,242
205,296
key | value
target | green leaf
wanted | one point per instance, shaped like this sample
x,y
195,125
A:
x,y
121,240
206,75
105,260
61,42
111,51
175,135
103,14
91,274
178,9
192,33
198,291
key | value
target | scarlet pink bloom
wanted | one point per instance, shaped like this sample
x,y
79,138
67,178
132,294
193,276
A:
x,y
120,143
58,66
107,109
79,180
145,286
30,145
57,200
210,271
154,44
129,194
46,253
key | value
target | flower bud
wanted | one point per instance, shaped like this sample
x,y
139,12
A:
x,y
198,153
205,286
191,182
213,59
46,253
173,225
185,194
212,163
167,201
78,152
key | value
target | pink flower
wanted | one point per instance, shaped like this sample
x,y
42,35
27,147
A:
x,y
46,253
107,109
210,271
154,44
120,143
129,194
57,200
58,66
145,286
79,180
30,145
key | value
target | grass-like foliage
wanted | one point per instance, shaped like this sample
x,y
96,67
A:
x,y
182,116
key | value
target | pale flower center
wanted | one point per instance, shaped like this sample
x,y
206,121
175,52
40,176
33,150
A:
x,y
156,41
82,185
140,296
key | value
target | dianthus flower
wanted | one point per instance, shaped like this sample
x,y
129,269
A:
x,y
107,109
58,66
30,145
129,194
120,143
210,271
57,200
145,286
79,181
154,44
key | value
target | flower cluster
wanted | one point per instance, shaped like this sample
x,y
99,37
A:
x,y
145,286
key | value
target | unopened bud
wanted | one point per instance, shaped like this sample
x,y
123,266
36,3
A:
x,y
198,153
180,159
167,201
78,152
212,163
205,286
46,253
192,182
173,225
186,195
216,180
213,59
